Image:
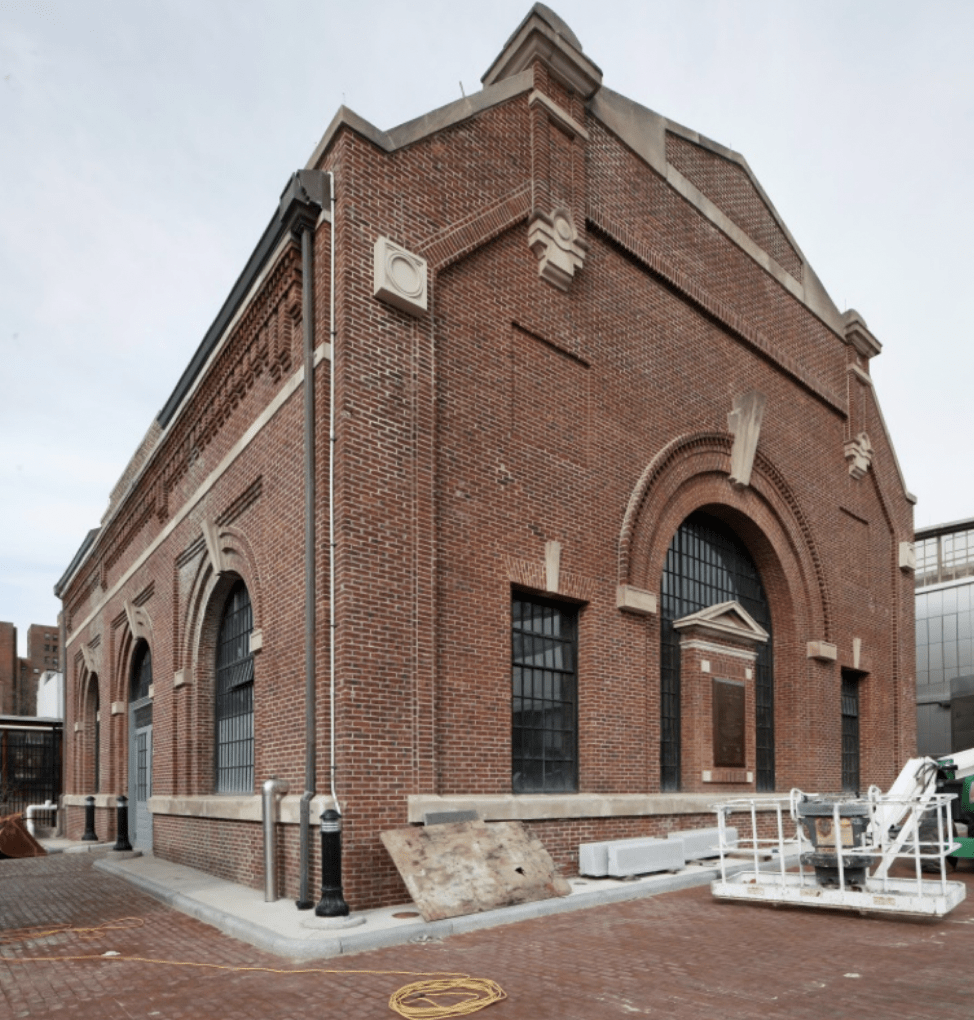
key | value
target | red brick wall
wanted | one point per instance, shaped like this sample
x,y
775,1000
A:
x,y
514,415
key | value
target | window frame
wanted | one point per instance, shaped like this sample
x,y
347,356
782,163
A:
x,y
233,705
558,714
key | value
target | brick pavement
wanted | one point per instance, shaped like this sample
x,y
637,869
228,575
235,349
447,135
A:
x,y
679,955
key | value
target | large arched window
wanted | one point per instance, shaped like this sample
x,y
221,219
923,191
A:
x,y
707,564
234,701
141,672
90,778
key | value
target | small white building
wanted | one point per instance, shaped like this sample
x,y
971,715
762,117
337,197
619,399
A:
x,y
50,695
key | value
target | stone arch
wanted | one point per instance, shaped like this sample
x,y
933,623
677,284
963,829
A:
x,y
692,473
89,707
229,558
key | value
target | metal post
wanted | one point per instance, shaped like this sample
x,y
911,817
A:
x,y
122,824
272,789
332,903
90,836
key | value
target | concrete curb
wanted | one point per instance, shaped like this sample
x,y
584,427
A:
x,y
358,941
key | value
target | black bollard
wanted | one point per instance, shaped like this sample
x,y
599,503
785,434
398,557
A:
x,y
90,836
122,824
332,903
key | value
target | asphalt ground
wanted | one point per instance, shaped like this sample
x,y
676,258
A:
x,y
680,955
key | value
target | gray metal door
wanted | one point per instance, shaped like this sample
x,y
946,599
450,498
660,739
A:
x,y
140,778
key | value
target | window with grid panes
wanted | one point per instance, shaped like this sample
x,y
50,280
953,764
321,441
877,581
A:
x,y
707,564
850,731
234,700
544,696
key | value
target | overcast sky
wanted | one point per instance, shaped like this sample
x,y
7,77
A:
x,y
143,147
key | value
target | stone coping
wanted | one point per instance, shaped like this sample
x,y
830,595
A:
x,y
102,800
228,807
554,807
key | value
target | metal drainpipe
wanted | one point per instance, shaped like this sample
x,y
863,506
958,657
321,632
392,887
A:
x,y
305,901
332,622
61,828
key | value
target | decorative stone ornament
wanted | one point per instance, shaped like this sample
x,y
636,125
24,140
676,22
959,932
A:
x,y
859,454
744,424
400,277
138,619
555,240
724,620
88,655
908,556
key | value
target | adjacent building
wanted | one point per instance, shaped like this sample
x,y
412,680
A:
x,y
20,676
528,467
945,637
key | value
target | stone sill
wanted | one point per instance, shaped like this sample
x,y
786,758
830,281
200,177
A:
x,y
102,800
232,808
528,807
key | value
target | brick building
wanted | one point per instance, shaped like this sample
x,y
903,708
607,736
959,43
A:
x,y
618,528
19,676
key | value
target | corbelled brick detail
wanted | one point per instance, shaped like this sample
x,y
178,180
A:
x,y
514,418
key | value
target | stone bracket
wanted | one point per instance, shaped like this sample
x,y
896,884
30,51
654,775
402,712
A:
x,y
859,454
557,244
823,651
908,556
635,601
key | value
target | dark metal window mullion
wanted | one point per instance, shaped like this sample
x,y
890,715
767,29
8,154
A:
x,y
544,696
234,701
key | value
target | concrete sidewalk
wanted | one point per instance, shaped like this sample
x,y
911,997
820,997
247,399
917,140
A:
x,y
282,929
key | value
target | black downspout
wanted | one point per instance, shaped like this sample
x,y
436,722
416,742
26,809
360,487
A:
x,y
301,205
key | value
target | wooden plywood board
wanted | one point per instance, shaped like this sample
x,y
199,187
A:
x,y
467,867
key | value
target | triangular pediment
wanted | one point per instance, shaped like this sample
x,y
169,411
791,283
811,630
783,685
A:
x,y
726,620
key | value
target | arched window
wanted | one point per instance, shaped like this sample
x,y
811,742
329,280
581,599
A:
x,y
96,716
91,745
234,702
141,672
707,564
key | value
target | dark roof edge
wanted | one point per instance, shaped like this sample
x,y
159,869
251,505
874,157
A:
x,y
935,530
279,225
267,243
76,561
302,199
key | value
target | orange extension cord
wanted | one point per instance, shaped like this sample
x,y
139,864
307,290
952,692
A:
x,y
416,1001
